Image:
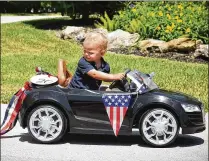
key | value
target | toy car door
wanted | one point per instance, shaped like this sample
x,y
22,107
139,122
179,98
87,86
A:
x,y
90,113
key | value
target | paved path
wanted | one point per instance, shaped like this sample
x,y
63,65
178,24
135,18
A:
x,y
17,145
10,19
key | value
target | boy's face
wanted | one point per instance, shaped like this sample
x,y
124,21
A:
x,y
93,52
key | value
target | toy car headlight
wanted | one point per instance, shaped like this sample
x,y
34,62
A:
x,y
190,107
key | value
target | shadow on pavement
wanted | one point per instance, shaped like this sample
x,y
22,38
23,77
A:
x,y
13,136
187,141
59,23
110,140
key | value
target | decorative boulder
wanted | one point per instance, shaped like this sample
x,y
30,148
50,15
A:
x,y
152,45
116,39
181,45
72,32
121,39
123,42
78,33
176,45
201,51
100,30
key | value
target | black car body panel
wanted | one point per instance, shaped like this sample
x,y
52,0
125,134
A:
x,y
86,113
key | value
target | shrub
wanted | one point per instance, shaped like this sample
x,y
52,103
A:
x,y
165,20
106,23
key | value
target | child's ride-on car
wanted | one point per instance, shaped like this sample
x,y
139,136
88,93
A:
x,y
49,110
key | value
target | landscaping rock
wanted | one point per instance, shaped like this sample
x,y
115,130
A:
x,y
60,35
78,33
185,45
116,39
201,51
121,39
73,32
100,30
181,45
152,45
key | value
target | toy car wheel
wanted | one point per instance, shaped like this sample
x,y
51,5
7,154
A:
x,y
46,124
159,127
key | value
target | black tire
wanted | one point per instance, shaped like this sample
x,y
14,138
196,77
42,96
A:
x,y
62,118
142,120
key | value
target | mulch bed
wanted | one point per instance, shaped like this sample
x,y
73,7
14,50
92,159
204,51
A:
x,y
185,57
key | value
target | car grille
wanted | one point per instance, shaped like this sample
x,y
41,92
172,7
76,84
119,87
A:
x,y
195,117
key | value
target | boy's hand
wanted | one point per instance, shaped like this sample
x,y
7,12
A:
x,y
119,76
104,76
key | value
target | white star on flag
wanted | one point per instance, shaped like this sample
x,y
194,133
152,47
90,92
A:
x,y
142,89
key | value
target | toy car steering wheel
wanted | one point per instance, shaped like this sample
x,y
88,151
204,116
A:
x,y
120,83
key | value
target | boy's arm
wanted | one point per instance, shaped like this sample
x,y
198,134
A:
x,y
104,76
64,76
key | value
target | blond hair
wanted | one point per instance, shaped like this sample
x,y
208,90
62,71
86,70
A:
x,y
96,38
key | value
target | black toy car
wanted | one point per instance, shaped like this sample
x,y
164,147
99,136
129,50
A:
x,y
49,110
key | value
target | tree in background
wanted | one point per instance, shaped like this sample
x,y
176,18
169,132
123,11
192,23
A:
x,y
19,7
84,9
74,9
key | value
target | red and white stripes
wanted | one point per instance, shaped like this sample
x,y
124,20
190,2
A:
x,y
116,116
13,109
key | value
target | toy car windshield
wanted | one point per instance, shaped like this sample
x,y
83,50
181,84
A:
x,y
141,82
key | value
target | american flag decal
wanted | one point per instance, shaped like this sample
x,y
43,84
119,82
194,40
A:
x,y
13,109
116,106
15,104
142,89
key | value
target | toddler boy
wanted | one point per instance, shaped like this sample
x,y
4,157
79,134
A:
x,y
92,69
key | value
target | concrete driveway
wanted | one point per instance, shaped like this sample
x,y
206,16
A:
x,y
10,19
17,145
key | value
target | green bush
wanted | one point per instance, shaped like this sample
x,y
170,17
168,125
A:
x,y
106,23
165,20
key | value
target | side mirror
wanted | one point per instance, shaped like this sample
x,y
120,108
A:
x,y
152,74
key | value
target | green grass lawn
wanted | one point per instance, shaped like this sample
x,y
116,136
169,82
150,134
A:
x,y
24,47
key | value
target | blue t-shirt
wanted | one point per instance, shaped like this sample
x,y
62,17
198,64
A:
x,y
82,80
